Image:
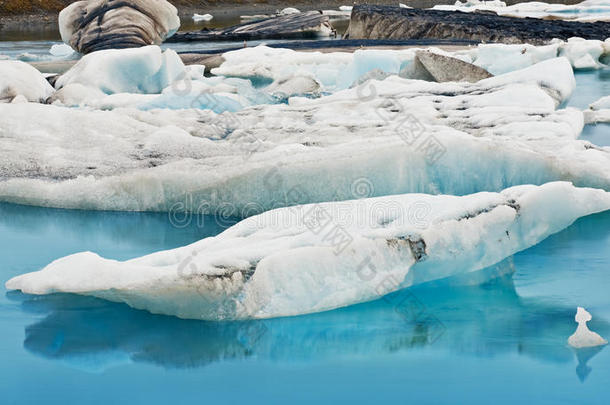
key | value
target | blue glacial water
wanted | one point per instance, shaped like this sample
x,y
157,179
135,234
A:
x,y
443,342
591,85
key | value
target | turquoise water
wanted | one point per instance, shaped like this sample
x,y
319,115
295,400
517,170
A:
x,y
504,339
591,85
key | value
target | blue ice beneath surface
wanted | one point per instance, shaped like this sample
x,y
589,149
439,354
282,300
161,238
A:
x,y
505,339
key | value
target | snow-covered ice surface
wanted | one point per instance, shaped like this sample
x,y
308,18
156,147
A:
x,y
318,257
401,135
586,11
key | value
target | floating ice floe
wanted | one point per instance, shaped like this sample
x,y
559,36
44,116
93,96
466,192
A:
x,y
402,135
583,337
202,17
319,257
21,79
586,11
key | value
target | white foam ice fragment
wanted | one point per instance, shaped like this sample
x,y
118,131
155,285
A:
x,y
401,5
61,50
345,8
586,11
202,17
252,158
138,70
21,79
284,262
583,337
289,10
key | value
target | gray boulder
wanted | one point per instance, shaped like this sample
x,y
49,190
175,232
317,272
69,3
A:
x,y
447,69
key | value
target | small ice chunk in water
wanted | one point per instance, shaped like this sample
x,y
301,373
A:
x,y
290,10
61,50
202,17
583,337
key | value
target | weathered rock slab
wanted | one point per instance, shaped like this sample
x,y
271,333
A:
x,y
302,25
389,22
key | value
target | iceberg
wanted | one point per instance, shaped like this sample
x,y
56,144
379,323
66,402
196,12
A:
x,y
583,337
140,70
313,258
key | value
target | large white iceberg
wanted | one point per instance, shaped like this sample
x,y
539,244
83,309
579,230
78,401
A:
x,y
318,257
402,135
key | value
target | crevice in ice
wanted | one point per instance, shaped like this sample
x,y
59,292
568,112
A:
x,y
510,203
229,271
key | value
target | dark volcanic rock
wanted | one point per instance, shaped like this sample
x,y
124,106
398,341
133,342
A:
x,y
389,22
89,26
301,25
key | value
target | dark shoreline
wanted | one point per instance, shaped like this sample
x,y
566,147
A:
x,y
42,25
